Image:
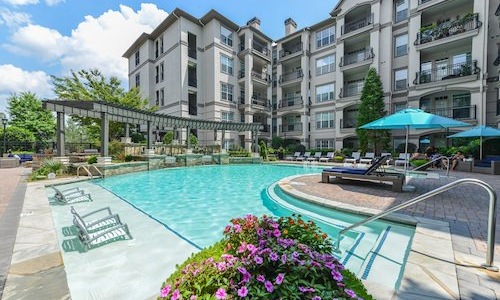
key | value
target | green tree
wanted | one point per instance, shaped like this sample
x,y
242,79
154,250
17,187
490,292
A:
x,y
371,109
26,112
18,139
92,85
168,137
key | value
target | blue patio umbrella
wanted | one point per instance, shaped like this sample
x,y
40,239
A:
x,y
478,131
413,118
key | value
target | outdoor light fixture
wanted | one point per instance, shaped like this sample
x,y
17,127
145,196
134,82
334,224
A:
x,y
4,122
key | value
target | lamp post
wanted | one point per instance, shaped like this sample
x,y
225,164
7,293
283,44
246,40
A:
x,y
4,122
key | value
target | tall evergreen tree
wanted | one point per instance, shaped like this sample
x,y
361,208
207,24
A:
x,y
371,109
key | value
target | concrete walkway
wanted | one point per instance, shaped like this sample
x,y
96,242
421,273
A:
x,y
36,270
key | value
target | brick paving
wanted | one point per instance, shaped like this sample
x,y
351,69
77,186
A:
x,y
464,207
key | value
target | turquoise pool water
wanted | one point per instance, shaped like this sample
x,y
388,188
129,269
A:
x,y
198,202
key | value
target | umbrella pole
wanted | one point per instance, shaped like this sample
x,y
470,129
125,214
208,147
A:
x,y
481,147
406,151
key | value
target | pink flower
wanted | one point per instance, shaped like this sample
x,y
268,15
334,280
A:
x,y
237,228
242,270
243,291
336,276
316,298
220,294
261,278
273,256
350,293
193,297
260,231
269,286
279,278
258,260
283,259
165,291
242,247
176,295
277,233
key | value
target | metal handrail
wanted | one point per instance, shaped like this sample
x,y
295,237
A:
x,y
88,171
491,215
441,157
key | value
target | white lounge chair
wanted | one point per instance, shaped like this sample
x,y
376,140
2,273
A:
x,y
304,157
316,156
329,157
294,157
101,237
354,158
368,158
98,219
403,157
387,154
72,195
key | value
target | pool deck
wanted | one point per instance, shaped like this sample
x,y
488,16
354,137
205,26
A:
x,y
449,245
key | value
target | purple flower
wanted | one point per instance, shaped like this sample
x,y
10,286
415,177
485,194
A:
x,y
165,291
277,233
273,256
258,260
251,248
295,255
176,295
242,292
279,278
304,289
246,277
260,231
350,293
283,258
220,294
337,276
316,298
261,278
242,270
237,228
269,286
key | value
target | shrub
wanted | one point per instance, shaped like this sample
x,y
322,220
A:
x,y
263,150
239,153
265,258
128,158
277,142
92,160
116,148
48,166
168,137
137,137
338,159
418,162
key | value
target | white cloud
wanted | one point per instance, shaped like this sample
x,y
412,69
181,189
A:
x,y
97,42
14,19
53,2
20,2
35,40
16,80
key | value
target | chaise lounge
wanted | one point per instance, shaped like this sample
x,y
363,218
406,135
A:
x,y
98,219
72,195
370,174
103,236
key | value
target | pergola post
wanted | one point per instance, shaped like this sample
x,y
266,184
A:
x,y
149,133
187,138
223,140
60,134
104,134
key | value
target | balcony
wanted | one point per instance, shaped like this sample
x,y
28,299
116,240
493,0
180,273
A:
x,y
241,74
265,128
292,129
446,72
260,101
261,77
298,74
347,123
351,89
436,32
358,56
291,102
290,50
261,49
356,24
457,113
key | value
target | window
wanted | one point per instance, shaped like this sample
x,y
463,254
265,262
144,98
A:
x,y
401,45
401,10
157,48
226,64
137,80
461,106
400,79
192,78
137,58
227,116
325,37
325,64
324,144
399,106
161,44
162,97
226,36
325,92
325,120
226,92
228,144
157,102
157,74
192,104
162,71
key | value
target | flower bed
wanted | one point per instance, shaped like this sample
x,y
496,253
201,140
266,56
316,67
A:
x,y
265,258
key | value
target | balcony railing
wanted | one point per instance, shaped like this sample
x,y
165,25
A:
x,y
446,72
241,74
356,57
265,128
296,127
261,48
261,76
347,123
435,32
290,102
351,89
458,113
259,100
357,24
291,50
291,76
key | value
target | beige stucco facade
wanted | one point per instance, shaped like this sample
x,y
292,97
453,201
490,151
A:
x,y
438,55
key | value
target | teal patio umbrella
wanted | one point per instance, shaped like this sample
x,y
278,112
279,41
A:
x,y
478,131
413,118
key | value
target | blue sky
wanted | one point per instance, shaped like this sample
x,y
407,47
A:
x,y
39,38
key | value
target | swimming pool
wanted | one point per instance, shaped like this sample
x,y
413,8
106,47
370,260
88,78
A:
x,y
198,202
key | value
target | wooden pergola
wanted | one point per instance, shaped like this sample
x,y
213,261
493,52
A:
x,y
106,112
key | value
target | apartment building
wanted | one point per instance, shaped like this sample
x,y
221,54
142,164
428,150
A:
x,y
438,55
